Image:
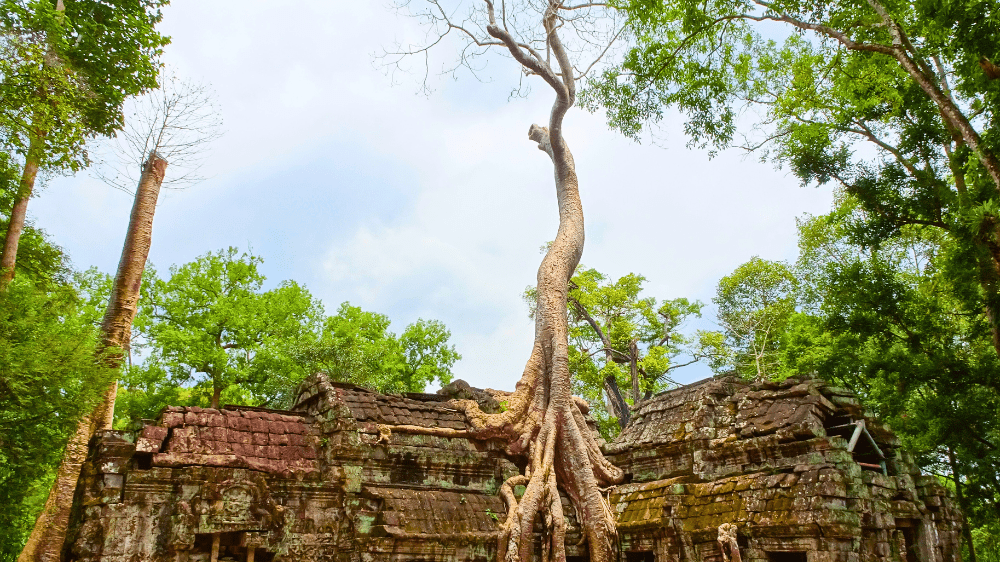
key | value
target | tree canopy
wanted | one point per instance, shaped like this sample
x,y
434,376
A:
x,y
621,339
49,376
209,334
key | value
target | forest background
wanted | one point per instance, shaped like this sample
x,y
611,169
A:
x,y
423,207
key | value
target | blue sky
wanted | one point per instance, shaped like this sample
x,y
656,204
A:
x,y
352,183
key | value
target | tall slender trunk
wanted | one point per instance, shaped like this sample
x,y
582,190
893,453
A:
x,y
216,395
8,258
633,368
960,495
49,534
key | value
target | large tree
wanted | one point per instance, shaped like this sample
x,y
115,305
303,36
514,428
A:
x,y
543,420
212,324
914,81
175,124
754,304
66,70
357,346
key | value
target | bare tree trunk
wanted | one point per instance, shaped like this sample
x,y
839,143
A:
x,y
49,534
8,258
216,394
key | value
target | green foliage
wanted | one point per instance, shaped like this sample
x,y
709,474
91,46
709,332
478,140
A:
x,y
886,322
211,331
356,346
987,545
624,317
754,305
67,74
427,355
48,377
212,328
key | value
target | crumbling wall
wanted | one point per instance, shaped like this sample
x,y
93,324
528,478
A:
x,y
797,466
776,460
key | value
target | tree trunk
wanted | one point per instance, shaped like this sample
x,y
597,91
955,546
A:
x,y
544,421
49,533
616,404
216,394
633,367
8,257
960,496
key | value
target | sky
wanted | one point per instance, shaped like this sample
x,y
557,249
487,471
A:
x,y
357,185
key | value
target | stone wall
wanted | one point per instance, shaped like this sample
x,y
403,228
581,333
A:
x,y
786,463
776,460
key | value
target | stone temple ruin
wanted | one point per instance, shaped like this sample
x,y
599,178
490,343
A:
x,y
719,470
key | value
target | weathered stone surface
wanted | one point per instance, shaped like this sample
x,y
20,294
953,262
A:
x,y
773,459
321,482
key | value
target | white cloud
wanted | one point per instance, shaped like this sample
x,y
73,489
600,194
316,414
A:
x,y
420,206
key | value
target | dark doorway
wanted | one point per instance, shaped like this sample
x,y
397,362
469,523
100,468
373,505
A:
x,y
907,530
786,556
640,557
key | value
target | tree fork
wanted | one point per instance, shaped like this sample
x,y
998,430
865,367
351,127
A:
x,y
45,544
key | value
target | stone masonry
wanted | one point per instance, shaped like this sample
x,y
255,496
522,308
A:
x,y
797,467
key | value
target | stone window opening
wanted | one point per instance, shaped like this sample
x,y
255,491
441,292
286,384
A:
x,y
786,556
143,461
860,443
226,547
640,556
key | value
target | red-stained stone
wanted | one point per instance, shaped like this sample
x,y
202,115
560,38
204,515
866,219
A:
x,y
258,425
172,419
154,432
278,439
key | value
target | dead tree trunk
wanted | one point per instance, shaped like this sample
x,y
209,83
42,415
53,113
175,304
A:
x,y
49,534
8,258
